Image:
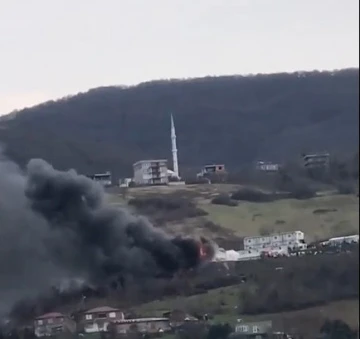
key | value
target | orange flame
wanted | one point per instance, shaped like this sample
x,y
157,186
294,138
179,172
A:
x,y
202,251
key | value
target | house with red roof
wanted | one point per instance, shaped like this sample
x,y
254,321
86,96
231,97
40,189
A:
x,y
53,323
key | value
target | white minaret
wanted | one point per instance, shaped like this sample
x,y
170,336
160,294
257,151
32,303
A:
x,y
173,148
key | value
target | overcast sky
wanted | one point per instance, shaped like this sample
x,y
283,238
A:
x,y
52,48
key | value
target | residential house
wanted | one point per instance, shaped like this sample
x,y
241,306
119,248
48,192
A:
x,y
210,170
99,318
142,325
178,318
53,323
253,330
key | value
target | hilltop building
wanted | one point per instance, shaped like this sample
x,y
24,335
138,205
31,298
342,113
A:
x,y
156,172
267,166
208,170
151,172
316,160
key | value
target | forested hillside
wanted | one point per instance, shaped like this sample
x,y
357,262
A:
x,y
232,120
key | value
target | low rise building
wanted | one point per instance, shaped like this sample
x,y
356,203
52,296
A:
x,y
142,325
151,172
98,319
293,240
214,169
349,239
53,323
256,330
266,166
316,160
104,179
178,318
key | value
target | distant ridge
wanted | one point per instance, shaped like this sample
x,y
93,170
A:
x,y
231,119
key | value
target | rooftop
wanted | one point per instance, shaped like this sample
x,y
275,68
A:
x,y
102,309
140,320
51,315
149,160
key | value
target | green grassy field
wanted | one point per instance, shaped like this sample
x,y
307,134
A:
x,y
339,215
341,218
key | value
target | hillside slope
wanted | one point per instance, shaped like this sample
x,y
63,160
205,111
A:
x,y
230,119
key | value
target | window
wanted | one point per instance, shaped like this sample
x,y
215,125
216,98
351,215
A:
x,y
40,322
101,315
242,328
88,316
50,321
112,315
256,329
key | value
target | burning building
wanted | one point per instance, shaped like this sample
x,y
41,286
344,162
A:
x,y
60,224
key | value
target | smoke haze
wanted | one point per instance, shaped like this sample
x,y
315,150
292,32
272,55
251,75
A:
x,y
56,226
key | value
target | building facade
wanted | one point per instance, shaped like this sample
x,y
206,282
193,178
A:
x,y
151,172
98,319
105,179
256,330
293,240
266,166
142,325
317,160
51,324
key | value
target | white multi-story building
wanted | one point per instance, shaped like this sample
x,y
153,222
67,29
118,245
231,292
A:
x,y
294,240
151,172
349,239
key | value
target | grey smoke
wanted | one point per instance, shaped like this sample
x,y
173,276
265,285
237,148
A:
x,y
56,226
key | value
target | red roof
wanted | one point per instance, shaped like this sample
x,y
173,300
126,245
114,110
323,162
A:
x,y
51,315
102,309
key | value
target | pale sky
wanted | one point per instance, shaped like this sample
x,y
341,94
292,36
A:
x,y
53,48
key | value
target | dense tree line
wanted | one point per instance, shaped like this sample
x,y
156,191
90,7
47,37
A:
x,y
233,120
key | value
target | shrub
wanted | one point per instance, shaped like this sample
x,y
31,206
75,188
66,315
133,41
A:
x,y
334,329
223,199
302,284
264,231
219,331
132,184
167,208
345,188
252,195
302,191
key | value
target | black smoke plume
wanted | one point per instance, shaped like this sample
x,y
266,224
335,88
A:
x,y
56,226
